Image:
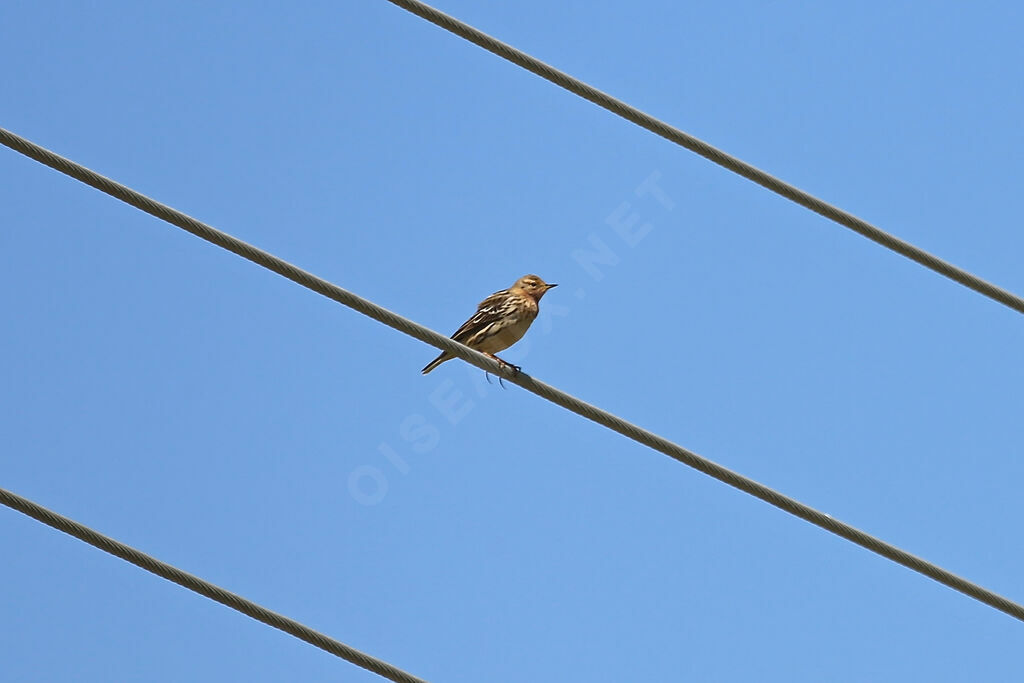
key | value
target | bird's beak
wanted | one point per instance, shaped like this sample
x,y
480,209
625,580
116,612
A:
x,y
547,287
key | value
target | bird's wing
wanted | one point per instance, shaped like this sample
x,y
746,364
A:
x,y
491,315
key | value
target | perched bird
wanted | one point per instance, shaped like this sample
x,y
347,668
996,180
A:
x,y
500,320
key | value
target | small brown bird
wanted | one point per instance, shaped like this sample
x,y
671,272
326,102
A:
x,y
500,320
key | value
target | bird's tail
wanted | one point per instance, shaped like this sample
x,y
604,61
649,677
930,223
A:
x,y
437,361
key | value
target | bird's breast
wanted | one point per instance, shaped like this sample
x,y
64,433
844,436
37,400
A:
x,y
510,333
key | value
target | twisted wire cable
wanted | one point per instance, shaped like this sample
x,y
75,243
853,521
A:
x,y
567,401
738,166
204,588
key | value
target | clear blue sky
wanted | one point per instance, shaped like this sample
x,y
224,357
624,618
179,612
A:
x,y
217,416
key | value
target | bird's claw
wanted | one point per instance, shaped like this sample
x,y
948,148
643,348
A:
x,y
487,376
505,365
514,369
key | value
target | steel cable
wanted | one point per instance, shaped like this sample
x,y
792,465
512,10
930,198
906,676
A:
x,y
658,127
524,380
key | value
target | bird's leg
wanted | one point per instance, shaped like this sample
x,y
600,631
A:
x,y
515,369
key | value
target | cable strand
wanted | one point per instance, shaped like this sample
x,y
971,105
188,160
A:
x,y
713,154
204,588
522,379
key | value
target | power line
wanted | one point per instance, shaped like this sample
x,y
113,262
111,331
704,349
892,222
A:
x,y
205,588
658,127
527,382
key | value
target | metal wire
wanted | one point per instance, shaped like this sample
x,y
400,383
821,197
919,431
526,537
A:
x,y
205,588
658,127
527,382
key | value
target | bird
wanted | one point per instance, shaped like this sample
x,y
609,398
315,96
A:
x,y
500,320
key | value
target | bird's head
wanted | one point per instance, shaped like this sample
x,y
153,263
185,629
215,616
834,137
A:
x,y
532,285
